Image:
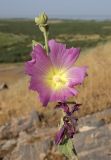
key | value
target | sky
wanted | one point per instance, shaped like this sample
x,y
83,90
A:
x,y
54,8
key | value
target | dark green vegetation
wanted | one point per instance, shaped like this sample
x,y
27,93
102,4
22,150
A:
x,y
16,36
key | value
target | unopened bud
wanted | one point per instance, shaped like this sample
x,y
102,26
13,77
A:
x,y
41,19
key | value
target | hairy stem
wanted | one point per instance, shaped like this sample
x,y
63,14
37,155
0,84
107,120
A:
x,y
46,40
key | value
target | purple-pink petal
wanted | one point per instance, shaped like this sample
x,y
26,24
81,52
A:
x,y
40,62
62,57
60,135
63,94
37,68
76,75
39,86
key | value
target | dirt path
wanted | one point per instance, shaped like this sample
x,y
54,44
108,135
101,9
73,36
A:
x,y
11,73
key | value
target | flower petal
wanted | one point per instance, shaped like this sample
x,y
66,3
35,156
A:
x,y
62,57
40,62
37,84
37,68
63,94
76,75
60,135
56,52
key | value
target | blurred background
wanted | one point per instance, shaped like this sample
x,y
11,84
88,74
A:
x,y
85,24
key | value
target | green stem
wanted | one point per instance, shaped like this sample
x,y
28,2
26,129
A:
x,y
46,40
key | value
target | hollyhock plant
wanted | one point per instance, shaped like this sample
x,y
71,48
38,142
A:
x,y
53,76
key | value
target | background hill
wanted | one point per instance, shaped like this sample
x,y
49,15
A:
x,y
16,36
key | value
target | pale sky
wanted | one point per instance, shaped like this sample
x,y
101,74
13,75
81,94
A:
x,y
31,8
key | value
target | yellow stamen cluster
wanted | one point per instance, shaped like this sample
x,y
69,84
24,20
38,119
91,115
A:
x,y
56,78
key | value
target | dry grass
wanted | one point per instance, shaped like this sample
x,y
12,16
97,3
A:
x,y
94,94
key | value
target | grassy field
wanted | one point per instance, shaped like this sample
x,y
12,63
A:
x,y
16,36
15,44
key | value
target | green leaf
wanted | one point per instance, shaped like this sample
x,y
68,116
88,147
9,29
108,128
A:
x,y
67,148
34,43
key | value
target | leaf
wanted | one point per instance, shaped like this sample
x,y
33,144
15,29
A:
x,y
34,43
67,148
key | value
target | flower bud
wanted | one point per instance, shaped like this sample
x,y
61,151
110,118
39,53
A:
x,y
41,19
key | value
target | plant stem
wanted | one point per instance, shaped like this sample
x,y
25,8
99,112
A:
x,y
46,40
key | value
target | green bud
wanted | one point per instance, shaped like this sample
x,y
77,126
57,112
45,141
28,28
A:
x,y
41,19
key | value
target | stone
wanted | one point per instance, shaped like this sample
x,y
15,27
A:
x,y
24,139
94,144
5,131
86,128
28,124
3,86
30,151
7,146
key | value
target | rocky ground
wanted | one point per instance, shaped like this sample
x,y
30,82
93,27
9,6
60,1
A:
x,y
25,139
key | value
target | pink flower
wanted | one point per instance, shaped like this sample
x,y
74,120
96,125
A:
x,y
53,76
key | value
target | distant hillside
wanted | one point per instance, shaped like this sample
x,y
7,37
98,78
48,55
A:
x,y
16,36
